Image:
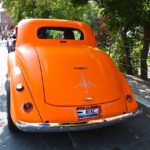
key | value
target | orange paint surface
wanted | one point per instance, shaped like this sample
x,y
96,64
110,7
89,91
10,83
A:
x,y
59,76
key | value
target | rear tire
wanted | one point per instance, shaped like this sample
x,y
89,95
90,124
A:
x,y
11,125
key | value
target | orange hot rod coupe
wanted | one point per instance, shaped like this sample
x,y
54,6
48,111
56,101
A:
x,y
58,80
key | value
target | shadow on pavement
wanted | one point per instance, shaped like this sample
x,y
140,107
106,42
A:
x,y
140,89
3,103
119,137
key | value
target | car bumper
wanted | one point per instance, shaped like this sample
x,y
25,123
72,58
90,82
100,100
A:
x,y
64,127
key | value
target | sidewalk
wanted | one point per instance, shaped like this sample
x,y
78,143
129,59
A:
x,y
141,90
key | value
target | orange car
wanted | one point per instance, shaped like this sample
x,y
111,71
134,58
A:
x,y
60,81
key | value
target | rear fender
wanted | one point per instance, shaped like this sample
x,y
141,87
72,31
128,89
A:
x,y
19,98
132,105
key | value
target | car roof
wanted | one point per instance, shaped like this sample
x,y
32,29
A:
x,y
27,31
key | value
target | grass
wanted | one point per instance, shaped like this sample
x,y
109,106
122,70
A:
x,y
148,60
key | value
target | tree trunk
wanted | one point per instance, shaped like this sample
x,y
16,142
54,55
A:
x,y
144,52
127,51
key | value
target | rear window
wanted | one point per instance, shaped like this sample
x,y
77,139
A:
x,y
60,33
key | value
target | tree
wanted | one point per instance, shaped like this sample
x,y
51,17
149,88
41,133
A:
x,y
52,9
79,2
124,17
130,14
117,12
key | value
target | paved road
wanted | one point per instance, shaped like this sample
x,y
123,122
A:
x,y
141,88
130,135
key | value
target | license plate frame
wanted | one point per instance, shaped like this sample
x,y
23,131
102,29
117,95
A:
x,y
88,112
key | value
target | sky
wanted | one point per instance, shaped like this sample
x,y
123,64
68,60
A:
x,y
1,7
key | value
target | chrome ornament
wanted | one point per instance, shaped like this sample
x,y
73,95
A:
x,y
84,83
89,98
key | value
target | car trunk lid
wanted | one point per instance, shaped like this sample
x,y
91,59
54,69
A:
x,y
77,76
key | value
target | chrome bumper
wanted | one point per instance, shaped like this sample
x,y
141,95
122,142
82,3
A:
x,y
63,127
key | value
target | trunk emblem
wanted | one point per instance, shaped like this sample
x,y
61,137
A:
x,y
89,98
84,84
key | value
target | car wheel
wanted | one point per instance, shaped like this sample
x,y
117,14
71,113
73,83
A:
x,y
11,125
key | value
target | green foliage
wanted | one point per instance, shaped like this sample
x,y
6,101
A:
x,y
148,60
125,21
127,12
59,9
79,2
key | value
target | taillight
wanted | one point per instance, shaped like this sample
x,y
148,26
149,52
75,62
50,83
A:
x,y
129,98
28,107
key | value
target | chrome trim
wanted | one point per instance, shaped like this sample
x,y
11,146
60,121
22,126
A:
x,y
19,87
89,98
63,127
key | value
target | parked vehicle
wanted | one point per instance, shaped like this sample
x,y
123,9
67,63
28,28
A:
x,y
11,43
60,81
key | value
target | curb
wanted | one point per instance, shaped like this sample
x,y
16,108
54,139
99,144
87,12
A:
x,y
138,79
144,104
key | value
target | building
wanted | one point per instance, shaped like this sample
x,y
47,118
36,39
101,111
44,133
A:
x,y
6,22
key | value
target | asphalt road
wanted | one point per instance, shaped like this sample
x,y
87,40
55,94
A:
x,y
129,135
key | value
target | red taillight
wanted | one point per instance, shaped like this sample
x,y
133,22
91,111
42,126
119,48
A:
x,y
27,107
129,98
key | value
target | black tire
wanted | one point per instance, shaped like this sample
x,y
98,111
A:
x,y
11,125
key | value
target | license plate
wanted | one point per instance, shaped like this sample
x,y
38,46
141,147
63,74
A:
x,y
88,112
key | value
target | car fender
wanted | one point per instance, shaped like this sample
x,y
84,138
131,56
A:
x,y
19,98
132,105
